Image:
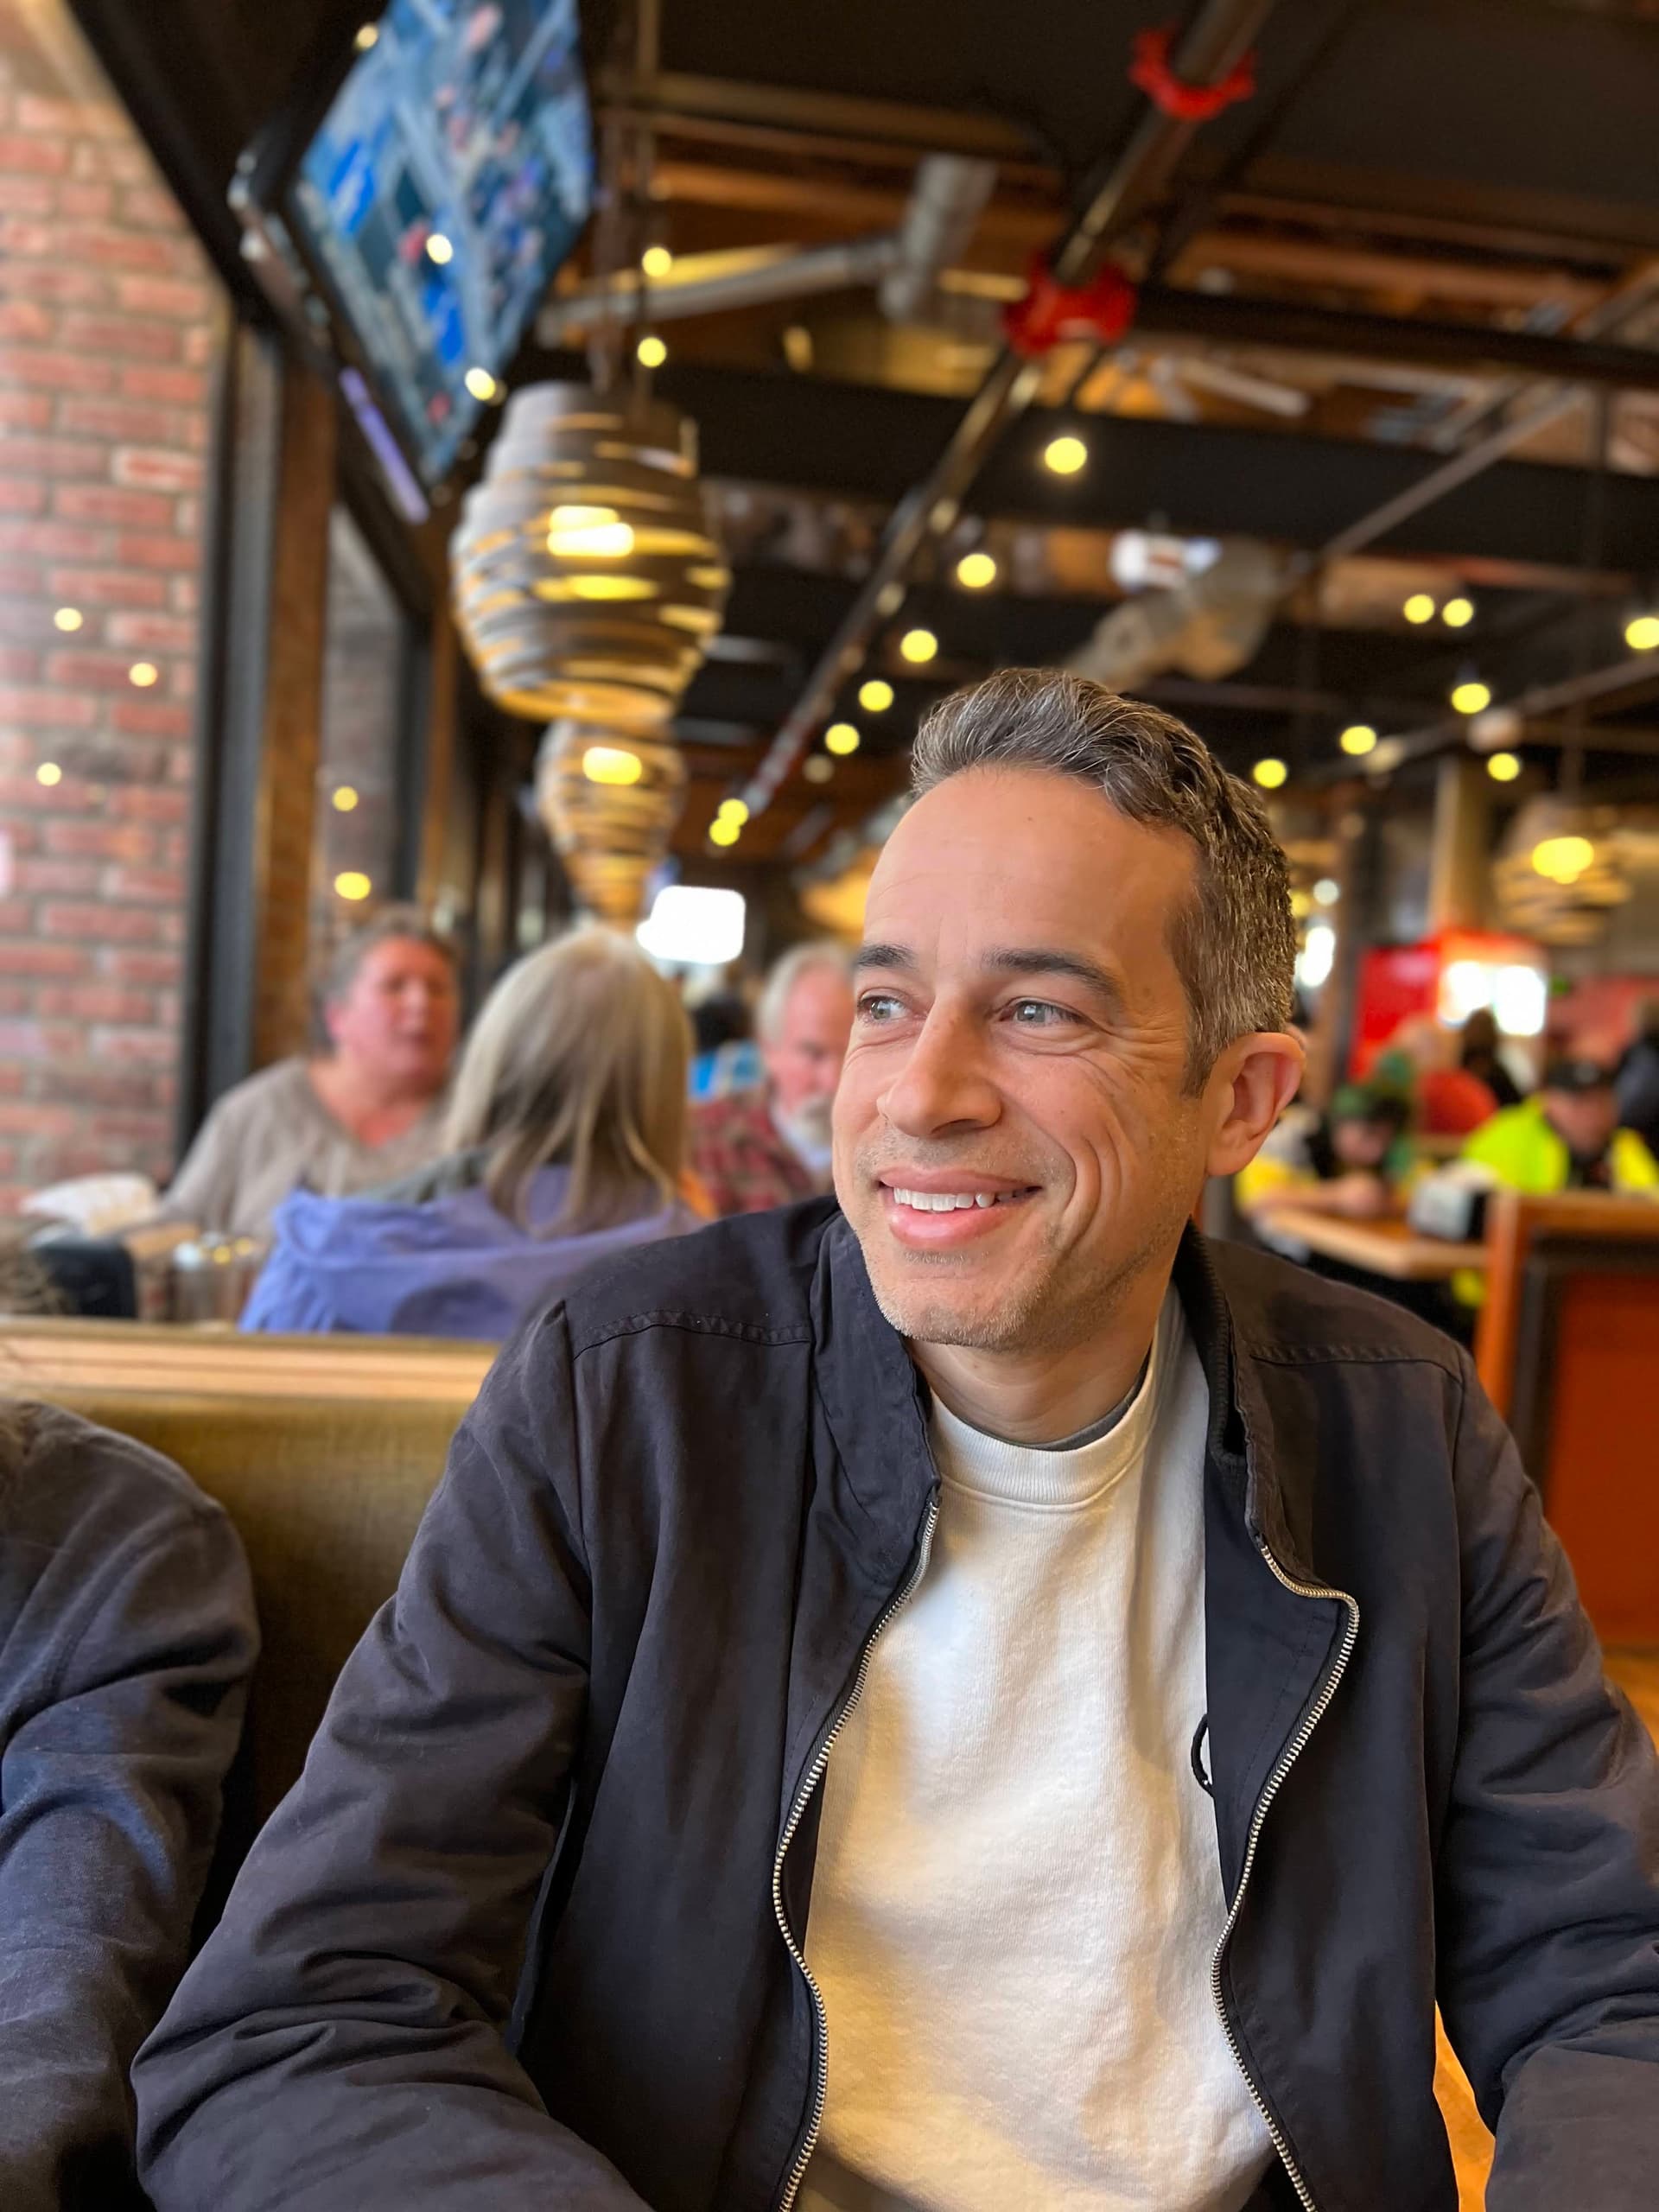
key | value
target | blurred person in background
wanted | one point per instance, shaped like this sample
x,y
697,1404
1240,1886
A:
x,y
365,1107
127,1635
726,1057
1566,1137
565,1143
1483,1056
760,1148
1420,1062
1352,1162
1636,1086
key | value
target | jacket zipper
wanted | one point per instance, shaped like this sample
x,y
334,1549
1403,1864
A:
x,y
820,2041
1287,1759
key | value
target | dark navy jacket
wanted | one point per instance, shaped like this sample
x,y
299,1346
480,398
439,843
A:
x,y
126,1638
515,1939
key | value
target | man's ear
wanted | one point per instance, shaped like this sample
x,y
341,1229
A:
x,y
1254,1081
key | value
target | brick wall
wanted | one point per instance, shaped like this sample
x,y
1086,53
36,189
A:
x,y
107,330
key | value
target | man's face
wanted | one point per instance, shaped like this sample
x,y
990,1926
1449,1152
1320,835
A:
x,y
804,1059
398,1014
1584,1120
1019,1042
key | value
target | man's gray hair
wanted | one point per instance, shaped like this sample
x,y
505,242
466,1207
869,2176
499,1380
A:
x,y
1234,942
783,975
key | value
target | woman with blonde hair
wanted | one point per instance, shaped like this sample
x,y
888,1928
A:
x,y
565,1141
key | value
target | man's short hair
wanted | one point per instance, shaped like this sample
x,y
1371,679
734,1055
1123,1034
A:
x,y
783,975
1234,942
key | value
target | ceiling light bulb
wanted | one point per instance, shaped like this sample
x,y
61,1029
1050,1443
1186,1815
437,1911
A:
x,y
1065,456
875,697
656,261
1641,633
651,351
345,799
734,809
1504,767
353,884
1472,696
975,570
611,764
1420,608
1563,860
1326,891
439,249
480,384
1269,773
1458,613
583,533
1359,738
918,646
841,737
724,830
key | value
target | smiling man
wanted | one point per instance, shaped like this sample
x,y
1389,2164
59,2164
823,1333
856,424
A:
x,y
976,1700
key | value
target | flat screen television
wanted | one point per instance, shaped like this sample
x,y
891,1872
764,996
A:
x,y
450,174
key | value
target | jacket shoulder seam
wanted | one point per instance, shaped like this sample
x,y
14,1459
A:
x,y
707,1325
1303,1354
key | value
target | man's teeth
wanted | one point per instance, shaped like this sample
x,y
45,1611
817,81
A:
x,y
949,1201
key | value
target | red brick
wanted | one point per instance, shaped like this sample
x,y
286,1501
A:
x,y
129,337
25,410
149,208
86,203
95,1002
43,369
28,321
106,587
109,503
35,958
168,295
18,576
27,1117
51,457
131,419
54,279
184,596
151,717
165,632
21,497
201,343
125,164
42,157
72,118
135,804
101,246
88,672
17,917
28,196
61,878
18,664
161,471
158,1047
149,886
130,925
135,967
108,841
132,1128
151,552
38,710
178,387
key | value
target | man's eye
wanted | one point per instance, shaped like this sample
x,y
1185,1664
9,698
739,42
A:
x,y
1037,1013
879,1006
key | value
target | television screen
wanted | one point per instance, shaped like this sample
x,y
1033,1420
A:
x,y
447,183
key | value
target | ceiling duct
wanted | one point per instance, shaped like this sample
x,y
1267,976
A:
x,y
1207,627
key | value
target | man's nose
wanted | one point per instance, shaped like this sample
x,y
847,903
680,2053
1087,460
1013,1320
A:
x,y
943,1084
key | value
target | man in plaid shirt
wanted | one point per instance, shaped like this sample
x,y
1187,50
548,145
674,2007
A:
x,y
757,1148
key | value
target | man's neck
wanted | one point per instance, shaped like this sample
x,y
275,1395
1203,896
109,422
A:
x,y
1040,1396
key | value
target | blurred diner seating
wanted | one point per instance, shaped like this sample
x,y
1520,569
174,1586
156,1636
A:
x,y
564,1142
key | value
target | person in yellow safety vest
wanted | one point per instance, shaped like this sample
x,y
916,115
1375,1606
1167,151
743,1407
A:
x,y
1566,1137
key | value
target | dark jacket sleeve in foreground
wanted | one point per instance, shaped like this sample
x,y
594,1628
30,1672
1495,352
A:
x,y
1548,1922
338,2042
126,1638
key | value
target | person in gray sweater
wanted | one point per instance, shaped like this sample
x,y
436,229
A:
x,y
127,1636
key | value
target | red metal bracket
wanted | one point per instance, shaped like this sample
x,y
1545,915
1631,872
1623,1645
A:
x,y
1151,72
1050,312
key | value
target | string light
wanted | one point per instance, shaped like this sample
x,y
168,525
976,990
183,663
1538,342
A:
x,y
1065,456
817,769
345,799
724,830
1269,773
975,570
1358,739
49,773
875,697
842,738
651,352
68,618
1472,696
366,37
1503,767
656,261
1641,633
439,249
353,884
733,810
1326,891
143,673
1458,613
918,646
1420,608
480,384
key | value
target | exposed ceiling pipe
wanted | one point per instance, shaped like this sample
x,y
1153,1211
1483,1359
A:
x,y
1221,33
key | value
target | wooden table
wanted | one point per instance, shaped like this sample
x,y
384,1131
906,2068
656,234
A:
x,y
1383,1248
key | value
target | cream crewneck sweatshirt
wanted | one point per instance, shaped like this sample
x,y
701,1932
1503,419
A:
x,y
1017,1892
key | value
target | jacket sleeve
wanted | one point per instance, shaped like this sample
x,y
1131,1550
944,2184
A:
x,y
110,1799
338,2042
1549,1883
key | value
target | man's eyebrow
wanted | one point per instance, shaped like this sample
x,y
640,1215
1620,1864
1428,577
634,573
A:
x,y
1051,960
885,955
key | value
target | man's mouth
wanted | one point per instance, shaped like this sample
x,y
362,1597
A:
x,y
949,1201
